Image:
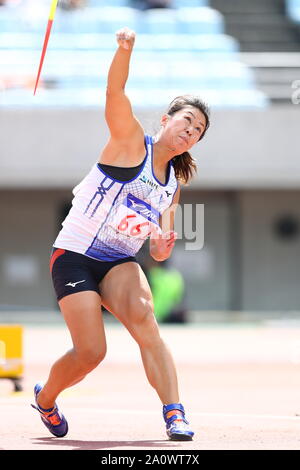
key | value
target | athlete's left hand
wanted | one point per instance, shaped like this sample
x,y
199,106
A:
x,y
161,245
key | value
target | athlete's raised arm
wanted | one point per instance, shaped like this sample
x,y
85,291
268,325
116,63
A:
x,y
126,144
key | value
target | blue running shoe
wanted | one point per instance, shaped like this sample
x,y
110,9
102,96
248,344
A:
x,y
52,418
176,425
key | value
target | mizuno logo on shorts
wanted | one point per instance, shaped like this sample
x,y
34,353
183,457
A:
x,y
73,284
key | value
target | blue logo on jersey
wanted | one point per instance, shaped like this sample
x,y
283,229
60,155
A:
x,y
146,180
142,208
99,196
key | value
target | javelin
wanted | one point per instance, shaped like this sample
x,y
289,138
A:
x,y
47,35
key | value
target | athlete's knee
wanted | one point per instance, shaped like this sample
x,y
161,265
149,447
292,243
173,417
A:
x,y
143,324
140,310
88,358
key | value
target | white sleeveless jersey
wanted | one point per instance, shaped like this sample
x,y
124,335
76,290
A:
x,y
110,219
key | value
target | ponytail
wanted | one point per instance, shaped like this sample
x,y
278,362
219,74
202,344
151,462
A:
x,y
184,166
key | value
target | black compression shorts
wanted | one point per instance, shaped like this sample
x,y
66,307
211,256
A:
x,y
73,272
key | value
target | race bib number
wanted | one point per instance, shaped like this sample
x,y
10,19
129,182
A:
x,y
136,218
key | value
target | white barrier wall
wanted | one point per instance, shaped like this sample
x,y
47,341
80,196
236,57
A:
x,y
243,149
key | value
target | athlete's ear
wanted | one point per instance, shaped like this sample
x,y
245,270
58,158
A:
x,y
164,119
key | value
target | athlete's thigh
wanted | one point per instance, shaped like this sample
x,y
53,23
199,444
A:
x,y
126,293
83,316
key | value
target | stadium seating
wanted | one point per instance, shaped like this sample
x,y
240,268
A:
x,y
126,3
189,3
10,21
158,21
219,43
178,50
200,20
108,3
293,10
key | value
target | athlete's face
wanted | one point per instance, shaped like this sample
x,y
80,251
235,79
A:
x,y
183,129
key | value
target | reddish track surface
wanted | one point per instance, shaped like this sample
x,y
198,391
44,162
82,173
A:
x,y
240,386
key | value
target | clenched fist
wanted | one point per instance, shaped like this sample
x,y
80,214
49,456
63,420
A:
x,y
125,38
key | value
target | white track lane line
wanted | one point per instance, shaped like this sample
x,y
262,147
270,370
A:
x,y
197,413
94,409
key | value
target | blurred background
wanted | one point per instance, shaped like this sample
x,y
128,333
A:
x,y
243,58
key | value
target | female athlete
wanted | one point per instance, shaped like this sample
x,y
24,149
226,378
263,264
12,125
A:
x,y
130,195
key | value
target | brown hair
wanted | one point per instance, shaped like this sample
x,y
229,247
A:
x,y
184,165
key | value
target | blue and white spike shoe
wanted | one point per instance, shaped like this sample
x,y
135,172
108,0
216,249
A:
x,y
177,426
52,418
